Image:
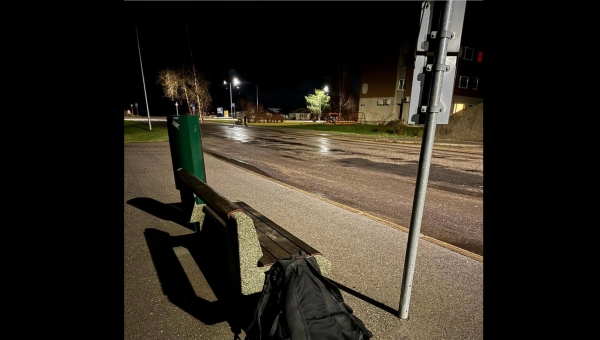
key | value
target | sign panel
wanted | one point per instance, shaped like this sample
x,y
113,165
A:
x,y
422,80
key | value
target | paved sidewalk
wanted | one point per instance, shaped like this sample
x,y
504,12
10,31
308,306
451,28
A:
x,y
169,297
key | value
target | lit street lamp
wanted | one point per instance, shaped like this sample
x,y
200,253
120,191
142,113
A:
x,y
326,90
235,82
177,107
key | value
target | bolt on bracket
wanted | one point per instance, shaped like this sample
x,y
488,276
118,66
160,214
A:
x,y
433,108
438,67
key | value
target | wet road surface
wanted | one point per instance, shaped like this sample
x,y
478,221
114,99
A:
x,y
377,178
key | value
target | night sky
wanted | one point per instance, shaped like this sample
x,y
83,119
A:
x,y
287,49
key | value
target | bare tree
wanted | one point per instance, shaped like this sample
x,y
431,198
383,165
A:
x,y
203,96
198,89
169,80
184,86
343,94
185,83
247,106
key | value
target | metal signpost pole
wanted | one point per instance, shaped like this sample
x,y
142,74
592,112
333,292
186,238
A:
x,y
439,67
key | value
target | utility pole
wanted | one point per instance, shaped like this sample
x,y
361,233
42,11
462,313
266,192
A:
x,y
143,81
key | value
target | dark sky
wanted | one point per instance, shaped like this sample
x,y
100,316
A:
x,y
287,49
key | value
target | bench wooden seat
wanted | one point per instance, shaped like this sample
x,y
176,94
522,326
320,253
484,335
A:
x,y
254,241
276,242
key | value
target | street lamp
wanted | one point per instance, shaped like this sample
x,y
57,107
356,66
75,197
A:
x,y
326,89
237,101
177,107
235,82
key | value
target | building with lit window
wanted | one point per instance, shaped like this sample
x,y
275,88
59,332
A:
x,y
387,71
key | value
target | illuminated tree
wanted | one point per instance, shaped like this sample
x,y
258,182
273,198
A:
x,y
313,101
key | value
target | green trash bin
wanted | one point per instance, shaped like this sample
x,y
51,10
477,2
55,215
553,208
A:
x,y
185,143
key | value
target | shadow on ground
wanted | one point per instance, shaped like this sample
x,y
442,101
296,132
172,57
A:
x,y
208,249
167,211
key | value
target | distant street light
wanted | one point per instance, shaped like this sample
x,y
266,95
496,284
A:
x,y
326,90
177,107
235,82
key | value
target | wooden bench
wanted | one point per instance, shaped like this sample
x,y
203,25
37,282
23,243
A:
x,y
254,242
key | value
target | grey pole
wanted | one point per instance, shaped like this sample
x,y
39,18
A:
x,y
230,101
425,159
177,108
143,81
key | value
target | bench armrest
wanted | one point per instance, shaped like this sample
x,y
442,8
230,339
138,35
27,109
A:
x,y
219,204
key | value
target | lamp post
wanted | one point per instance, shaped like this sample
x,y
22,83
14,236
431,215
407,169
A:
x,y
235,82
237,101
177,107
326,90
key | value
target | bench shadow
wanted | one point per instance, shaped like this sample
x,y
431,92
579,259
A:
x,y
208,250
167,211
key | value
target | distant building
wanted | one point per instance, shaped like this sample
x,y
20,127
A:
x,y
300,114
387,72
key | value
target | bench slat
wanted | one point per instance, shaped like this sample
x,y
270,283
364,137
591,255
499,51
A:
x,y
279,246
274,245
298,243
271,250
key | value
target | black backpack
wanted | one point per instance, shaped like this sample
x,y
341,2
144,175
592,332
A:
x,y
298,303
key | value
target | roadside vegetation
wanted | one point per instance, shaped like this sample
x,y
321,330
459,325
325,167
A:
x,y
139,132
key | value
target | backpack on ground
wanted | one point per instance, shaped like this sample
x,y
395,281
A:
x,y
298,303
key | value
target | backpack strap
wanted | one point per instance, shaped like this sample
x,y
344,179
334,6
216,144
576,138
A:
x,y
262,302
335,291
274,326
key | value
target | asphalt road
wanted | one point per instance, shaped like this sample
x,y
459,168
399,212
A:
x,y
375,177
